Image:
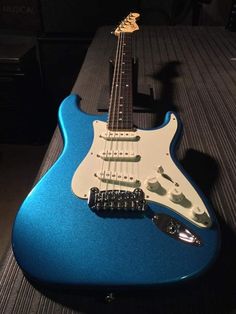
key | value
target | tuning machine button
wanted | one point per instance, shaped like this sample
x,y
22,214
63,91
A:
x,y
175,195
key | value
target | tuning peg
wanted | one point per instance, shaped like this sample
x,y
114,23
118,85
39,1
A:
x,y
130,19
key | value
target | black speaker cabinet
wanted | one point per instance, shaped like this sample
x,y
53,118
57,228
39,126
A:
x,y
61,59
70,16
231,24
20,15
83,17
22,103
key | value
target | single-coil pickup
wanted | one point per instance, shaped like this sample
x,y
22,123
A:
x,y
119,156
117,178
120,136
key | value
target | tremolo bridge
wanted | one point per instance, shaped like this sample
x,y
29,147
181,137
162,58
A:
x,y
117,200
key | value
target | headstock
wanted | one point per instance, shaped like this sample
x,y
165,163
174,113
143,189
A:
x,y
128,25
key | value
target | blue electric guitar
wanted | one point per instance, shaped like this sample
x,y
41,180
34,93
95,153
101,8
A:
x,y
116,209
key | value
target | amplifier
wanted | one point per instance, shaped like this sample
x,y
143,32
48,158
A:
x,y
82,17
22,103
231,25
20,15
70,16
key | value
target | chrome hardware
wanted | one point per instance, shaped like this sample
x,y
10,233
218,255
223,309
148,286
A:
x,y
117,200
110,298
175,229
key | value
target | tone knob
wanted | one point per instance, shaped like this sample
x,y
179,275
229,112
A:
x,y
198,213
175,195
152,183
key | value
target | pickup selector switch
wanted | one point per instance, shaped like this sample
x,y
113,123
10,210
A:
x,y
160,169
175,195
152,184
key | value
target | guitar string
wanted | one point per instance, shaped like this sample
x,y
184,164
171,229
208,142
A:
x,y
117,114
119,164
131,171
125,145
129,165
117,62
115,99
126,111
132,167
135,165
121,109
114,102
110,121
126,165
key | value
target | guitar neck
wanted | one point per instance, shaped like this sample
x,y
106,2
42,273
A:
x,y
121,99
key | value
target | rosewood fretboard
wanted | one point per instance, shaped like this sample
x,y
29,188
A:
x,y
121,99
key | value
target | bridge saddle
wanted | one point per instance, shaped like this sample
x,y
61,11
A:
x,y
117,200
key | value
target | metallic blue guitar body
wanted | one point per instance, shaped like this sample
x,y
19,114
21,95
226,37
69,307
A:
x,y
57,239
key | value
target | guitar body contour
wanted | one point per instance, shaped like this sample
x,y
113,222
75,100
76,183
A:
x,y
58,239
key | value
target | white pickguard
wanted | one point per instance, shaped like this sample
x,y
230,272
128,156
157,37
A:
x,y
153,171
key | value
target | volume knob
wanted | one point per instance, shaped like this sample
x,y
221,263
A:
x,y
152,184
175,195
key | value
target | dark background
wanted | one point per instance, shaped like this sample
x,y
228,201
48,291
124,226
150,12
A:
x,y
43,44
